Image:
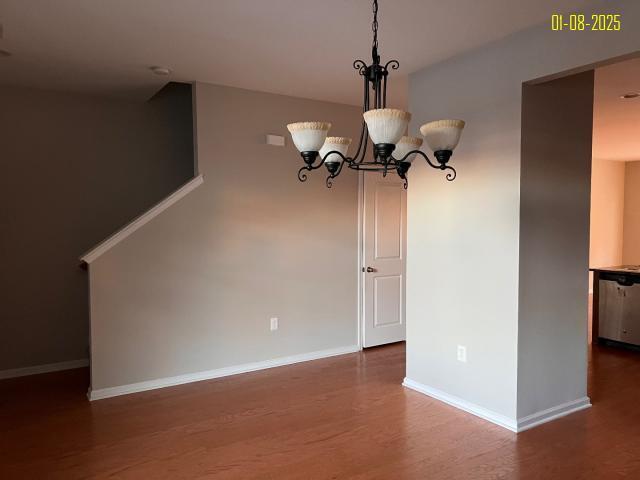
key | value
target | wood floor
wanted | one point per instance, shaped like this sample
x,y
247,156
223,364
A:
x,y
344,417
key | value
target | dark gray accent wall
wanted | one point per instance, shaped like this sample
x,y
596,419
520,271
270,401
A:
x,y
74,169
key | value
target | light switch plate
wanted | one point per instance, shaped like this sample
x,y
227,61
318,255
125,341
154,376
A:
x,y
275,140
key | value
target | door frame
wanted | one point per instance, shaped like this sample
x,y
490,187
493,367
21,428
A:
x,y
361,263
360,259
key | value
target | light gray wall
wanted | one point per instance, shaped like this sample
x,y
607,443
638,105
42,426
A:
x,y
194,289
463,238
555,200
74,169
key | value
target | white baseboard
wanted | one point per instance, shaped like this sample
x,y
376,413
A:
x,y
517,426
217,373
544,416
493,417
49,367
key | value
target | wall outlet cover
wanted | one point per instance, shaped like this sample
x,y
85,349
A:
x,y
462,353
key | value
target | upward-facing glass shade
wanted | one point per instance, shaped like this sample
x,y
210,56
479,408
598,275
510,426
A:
x,y
404,146
309,136
442,134
335,144
386,125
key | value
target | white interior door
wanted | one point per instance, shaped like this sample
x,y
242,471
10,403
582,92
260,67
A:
x,y
384,246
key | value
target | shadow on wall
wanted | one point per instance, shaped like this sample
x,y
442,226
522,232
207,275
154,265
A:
x,y
76,168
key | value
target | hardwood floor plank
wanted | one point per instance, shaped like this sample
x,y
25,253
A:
x,y
343,417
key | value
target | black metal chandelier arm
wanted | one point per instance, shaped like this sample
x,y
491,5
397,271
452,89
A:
x,y
386,167
359,158
364,149
328,181
451,172
417,152
335,152
360,142
302,176
451,175
363,131
395,65
360,65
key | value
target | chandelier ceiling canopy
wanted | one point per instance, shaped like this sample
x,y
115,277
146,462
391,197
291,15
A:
x,y
385,127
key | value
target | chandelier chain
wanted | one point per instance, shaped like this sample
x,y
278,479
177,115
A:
x,y
374,28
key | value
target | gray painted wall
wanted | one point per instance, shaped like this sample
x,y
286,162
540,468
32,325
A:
x,y
463,238
194,289
74,169
555,200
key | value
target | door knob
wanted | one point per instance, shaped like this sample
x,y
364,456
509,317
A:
x,y
370,270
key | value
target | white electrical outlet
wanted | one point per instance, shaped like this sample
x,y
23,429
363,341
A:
x,y
462,354
274,323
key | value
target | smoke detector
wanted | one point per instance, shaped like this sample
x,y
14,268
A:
x,y
164,71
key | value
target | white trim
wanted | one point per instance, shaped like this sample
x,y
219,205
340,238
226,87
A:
x,y
49,367
194,118
360,259
522,424
493,417
217,373
544,416
131,227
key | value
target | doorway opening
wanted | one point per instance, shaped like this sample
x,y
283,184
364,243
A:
x,y
559,149
614,255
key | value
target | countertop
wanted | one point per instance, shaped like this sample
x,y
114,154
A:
x,y
626,269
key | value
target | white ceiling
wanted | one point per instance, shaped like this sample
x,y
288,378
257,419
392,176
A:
x,y
303,48
616,121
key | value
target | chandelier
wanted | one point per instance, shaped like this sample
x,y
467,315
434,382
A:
x,y
392,150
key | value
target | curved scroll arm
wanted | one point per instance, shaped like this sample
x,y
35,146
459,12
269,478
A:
x,y
301,175
386,167
395,65
360,65
451,175
328,181
451,172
